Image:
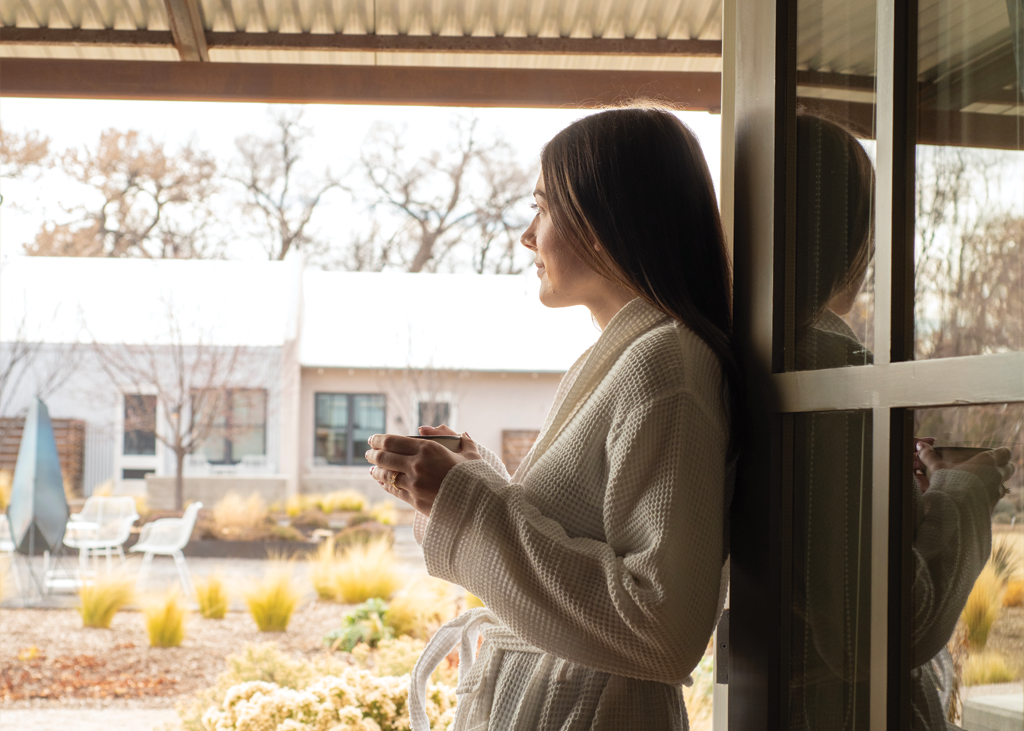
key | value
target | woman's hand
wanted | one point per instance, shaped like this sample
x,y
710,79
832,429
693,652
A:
x,y
413,469
993,468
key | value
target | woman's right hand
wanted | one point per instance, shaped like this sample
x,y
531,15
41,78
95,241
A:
x,y
437,431
993,468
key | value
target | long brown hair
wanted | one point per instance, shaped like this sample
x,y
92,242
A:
x,y
635,181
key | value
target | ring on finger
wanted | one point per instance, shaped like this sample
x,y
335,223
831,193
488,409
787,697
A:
x,y
392,478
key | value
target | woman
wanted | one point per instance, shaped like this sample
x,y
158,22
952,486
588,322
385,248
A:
x,y
601,560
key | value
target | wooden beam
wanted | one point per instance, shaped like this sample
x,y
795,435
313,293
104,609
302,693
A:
x,y
374,43
336,84
186,21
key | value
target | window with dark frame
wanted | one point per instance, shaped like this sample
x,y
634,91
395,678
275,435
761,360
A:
x,y
139,424
239,427
343,424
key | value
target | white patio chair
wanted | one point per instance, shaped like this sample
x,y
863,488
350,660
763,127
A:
x,y
103,526
7,546
166,537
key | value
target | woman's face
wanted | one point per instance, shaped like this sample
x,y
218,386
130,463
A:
x,y
565,279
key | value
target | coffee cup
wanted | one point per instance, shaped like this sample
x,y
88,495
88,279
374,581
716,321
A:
x,y
451,443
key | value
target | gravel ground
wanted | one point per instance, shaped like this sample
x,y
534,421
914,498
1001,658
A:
x,y
1007,635
74,667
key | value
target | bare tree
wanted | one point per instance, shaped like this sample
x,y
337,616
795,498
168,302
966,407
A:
x,y
279,195
432,210
148,202
188,378
21,155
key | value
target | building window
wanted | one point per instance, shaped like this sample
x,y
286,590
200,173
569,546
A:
x,y
343,424
515,445
136,474
434,413
139,424
237,422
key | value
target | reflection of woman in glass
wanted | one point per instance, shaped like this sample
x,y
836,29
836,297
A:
x,y
952,534
601,560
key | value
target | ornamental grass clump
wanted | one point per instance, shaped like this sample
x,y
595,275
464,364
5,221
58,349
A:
x,y
988,668
272,600
100,600
234,517
421,608
1014,596
323,570
367,571
212,597
342,501
165,620
384,513
982,608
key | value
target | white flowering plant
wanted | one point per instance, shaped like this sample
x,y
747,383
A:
x,y
353,700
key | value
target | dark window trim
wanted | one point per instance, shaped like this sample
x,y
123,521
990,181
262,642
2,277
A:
x,y
350,457
228,444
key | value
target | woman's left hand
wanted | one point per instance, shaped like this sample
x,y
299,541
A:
x,y
413,469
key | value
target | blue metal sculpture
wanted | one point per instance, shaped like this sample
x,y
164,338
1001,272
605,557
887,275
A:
x,y
38,511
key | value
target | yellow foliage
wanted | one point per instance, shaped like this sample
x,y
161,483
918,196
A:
x,y
165,620
6,480
989,667
323,569
367,571
141,505
1014,596
233,516
982,608
342,500
384,513
29,653
104,489
473,602
272,600
398,655
212,597
293,506
101,600
420,608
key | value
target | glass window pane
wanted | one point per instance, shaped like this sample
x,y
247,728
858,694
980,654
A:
x,y
968,554
834,279
969,227
368,420
139,424
434,413
331,438
831,571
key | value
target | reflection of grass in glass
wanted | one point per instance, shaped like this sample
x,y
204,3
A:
x,y
1005,559
1014,596
699,696
165,621
982,609
987,668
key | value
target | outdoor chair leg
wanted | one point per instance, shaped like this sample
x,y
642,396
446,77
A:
x,y
147,559
83,563
109,566
120,553
186,577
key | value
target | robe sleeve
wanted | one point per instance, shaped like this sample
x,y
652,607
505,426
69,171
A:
x,y
952,542
641,603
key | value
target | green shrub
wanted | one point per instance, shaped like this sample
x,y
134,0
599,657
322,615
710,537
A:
x,y
364,624
165,621
101,600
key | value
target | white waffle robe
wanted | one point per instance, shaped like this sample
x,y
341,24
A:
x,y
601,561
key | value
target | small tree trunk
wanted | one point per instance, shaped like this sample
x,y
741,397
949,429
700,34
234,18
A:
x,y
179,481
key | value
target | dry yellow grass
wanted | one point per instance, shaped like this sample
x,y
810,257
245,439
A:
x,y
384,513
101,600
323,569
234,516
272,600
982,608
1014,595
421,607
342,501
988,667
473,601
165,620
212,597
6,480
367,571
104,489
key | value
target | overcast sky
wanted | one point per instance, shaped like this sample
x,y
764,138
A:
x,y
338,131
